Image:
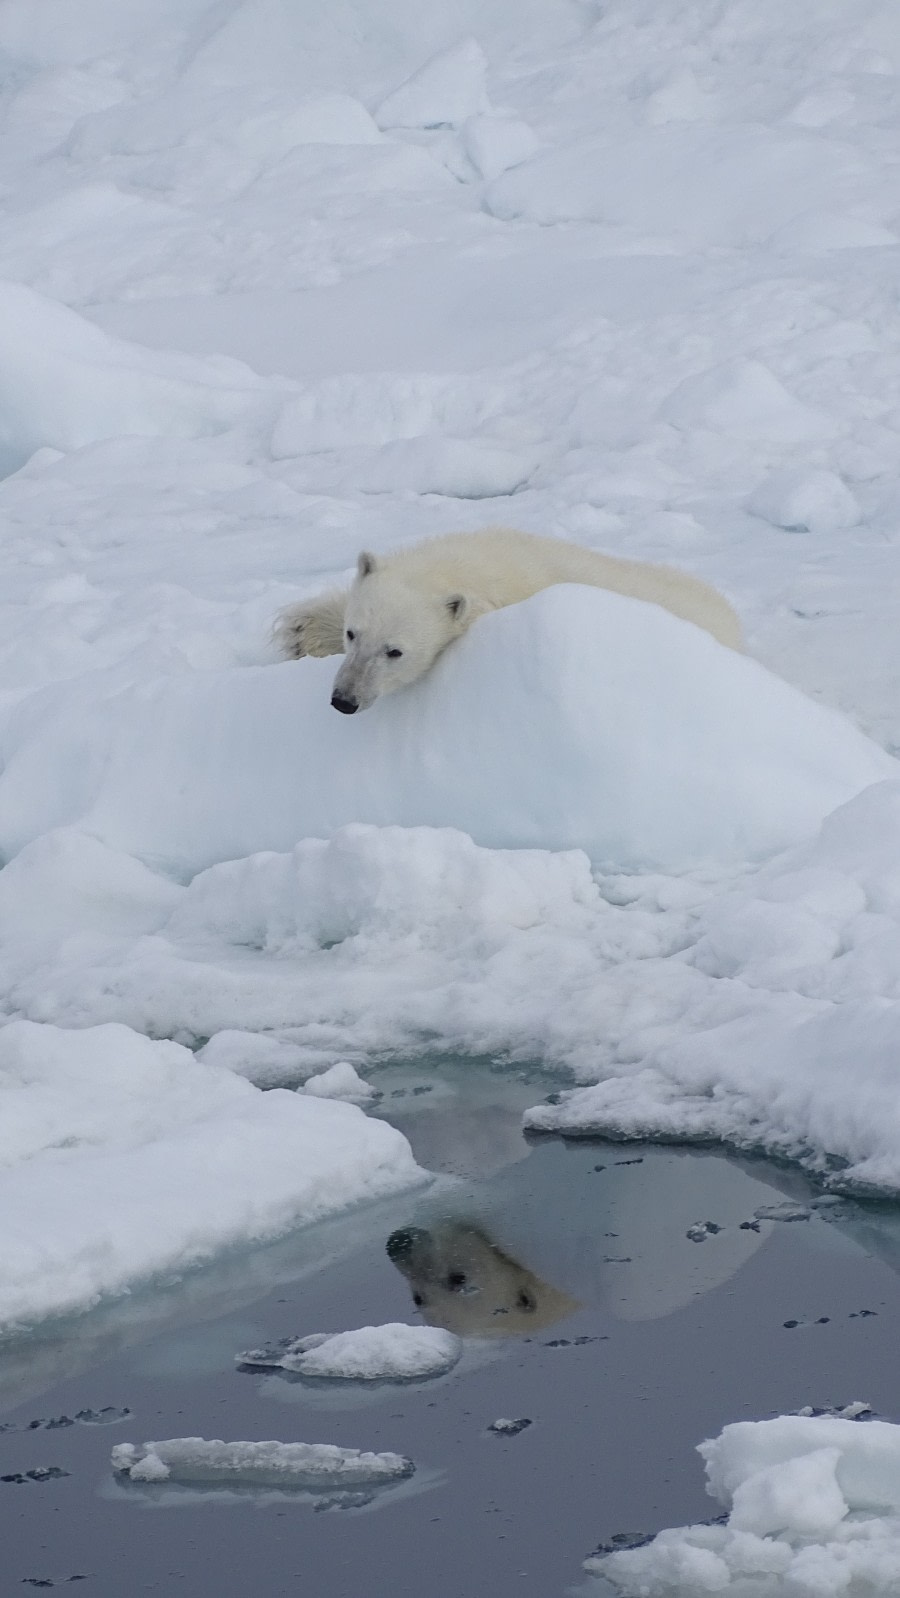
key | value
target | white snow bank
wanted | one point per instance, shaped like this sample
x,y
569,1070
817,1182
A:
x,y
269,1464
814,1508
459,468
578,719
65,383
121,1158
793,981
758,1007
391,1353
729,184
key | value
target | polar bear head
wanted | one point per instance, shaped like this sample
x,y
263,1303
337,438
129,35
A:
x,y
462,1280
393,633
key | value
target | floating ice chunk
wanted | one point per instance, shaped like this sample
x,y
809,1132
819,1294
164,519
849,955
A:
x,y
805,502
93,1111
787,1211
391,1353
270,1464
444,92
745,399
494,144
814,1507
340,1081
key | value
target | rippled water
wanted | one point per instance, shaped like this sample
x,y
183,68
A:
x,y
626,1300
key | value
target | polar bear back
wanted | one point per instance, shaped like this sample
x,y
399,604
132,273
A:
x,y
500,566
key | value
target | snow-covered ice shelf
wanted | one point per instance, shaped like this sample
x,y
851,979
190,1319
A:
x,y
281,282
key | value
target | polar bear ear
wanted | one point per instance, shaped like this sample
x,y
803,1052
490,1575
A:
x,y
458,606
366,564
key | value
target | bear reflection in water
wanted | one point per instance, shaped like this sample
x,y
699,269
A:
x,y
637,1233
463,1281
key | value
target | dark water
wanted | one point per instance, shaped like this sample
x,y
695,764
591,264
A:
x,y
620,1338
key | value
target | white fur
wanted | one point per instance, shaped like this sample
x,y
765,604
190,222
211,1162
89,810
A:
x,y
403,609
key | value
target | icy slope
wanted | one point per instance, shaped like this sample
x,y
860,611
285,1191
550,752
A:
x,y
576,719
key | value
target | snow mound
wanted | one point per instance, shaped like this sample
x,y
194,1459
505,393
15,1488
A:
x,y
270,1464
340,1081
813,1508
391,1353
678,751
806,502
446,91
494,144
65,384
743,398
103,1137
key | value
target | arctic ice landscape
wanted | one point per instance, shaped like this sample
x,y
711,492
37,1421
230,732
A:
x,y
280,282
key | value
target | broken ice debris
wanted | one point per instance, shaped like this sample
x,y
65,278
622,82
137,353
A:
x,y
269,1464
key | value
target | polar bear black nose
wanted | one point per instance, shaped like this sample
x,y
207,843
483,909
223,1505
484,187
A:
x,y
347,707
401,1243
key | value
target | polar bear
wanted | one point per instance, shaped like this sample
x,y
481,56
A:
x,y
404,608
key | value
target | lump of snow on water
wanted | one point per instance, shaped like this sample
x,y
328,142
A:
x,y
269,1464
805,502
448,89
65,383
682,751
340,1081
814,1507
391,1353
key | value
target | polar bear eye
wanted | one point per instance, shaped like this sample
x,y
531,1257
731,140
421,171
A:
x,y
350,636
393,654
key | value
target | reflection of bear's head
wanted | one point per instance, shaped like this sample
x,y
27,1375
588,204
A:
x,y
392,635
464,1282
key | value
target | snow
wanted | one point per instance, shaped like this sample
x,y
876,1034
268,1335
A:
x,y
268,1464
447,90
340,1081
284,282
747,765
813,1507
104,1134
390,1353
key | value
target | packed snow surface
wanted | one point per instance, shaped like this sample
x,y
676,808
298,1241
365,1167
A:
x,y
391,1353
813,1508
278,283
270,1464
